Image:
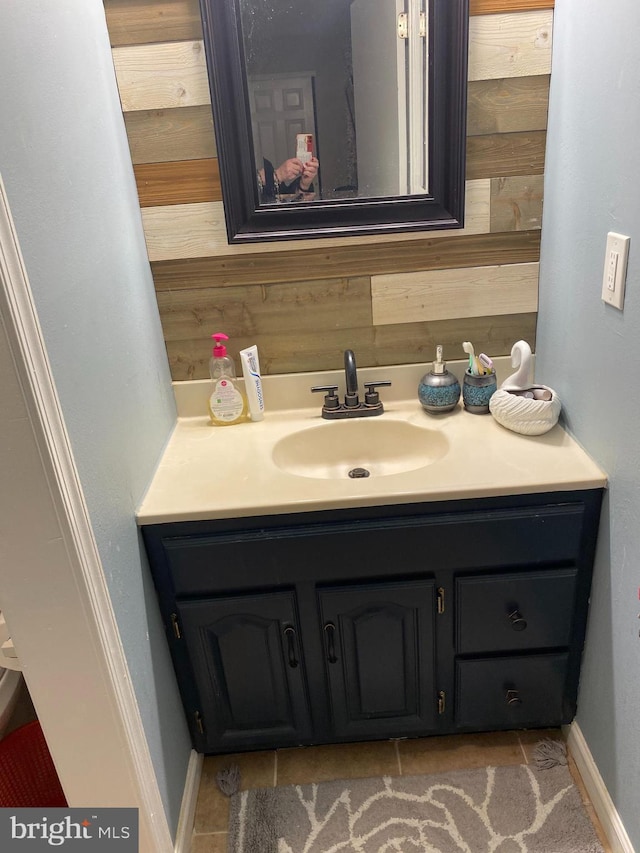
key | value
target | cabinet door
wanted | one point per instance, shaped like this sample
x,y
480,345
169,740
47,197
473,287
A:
x,y
380,658
246,656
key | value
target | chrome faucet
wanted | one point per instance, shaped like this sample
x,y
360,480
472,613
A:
x,y
333,409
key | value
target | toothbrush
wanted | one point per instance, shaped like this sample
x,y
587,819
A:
x,y
467,346
486,362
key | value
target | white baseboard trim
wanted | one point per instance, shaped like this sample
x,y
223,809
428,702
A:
x,y
597,790
184,832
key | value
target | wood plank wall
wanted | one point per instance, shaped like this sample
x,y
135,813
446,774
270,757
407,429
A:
x,y
303,302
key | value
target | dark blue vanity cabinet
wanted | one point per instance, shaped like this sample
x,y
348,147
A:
x,y
377,622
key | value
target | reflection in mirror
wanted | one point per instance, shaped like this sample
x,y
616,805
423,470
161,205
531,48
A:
x,y
355,107
341,75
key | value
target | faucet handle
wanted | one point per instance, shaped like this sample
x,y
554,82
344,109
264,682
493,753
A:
x,y
331,400
371,397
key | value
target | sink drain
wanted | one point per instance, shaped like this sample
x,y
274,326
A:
x,y
358,473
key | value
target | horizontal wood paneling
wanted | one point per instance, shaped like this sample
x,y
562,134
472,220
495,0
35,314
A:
x,y
504,154
146,21
159,136
198,230
143,21
195,181
288,352
512,45
305,306
507,105
173,74
495,334
162,76
304,302
426,254
178,182
408,343
183,182
487,7
516,203
451,293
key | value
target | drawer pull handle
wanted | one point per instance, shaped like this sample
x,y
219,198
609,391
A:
x,y
290,635
513,698
517,622
330,634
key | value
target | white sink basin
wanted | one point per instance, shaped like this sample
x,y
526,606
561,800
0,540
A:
x,y
364,447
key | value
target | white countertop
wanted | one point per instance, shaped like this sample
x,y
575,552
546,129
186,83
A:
x,y
211,472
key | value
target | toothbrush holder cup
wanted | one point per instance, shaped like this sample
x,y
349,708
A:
x,y
477,391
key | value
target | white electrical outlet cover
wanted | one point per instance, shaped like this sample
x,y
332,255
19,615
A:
x,y
615,269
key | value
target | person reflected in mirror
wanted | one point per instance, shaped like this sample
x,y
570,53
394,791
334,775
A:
x,y
290,181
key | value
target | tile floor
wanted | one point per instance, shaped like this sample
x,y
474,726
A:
x,y
341,761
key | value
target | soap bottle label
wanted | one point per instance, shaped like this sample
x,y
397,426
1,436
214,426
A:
x,y
226,402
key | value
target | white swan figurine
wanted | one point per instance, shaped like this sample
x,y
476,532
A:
x,y
532,414
521,359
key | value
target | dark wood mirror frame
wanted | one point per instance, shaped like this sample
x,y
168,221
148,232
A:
x,y
248,221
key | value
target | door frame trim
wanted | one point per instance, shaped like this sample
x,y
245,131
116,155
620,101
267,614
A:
x,y
82,652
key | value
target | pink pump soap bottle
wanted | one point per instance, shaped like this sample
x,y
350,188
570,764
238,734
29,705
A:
x,y
227,403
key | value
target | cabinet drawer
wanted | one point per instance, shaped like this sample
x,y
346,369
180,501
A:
x,y
513,692
516,611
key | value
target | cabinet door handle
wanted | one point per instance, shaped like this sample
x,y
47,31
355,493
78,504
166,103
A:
x,y
198,719
513,697
290,636
517,622
330,634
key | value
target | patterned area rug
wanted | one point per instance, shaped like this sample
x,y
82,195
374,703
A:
x,y
514,809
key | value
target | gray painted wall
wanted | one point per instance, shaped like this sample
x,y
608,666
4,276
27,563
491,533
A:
x,y
586,349
67,170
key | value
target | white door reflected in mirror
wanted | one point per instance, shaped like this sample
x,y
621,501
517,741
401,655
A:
x,y
353,74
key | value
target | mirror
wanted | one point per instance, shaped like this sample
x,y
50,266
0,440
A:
x,y
338,117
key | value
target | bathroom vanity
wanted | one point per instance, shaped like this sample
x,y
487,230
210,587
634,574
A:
x,y
309,608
